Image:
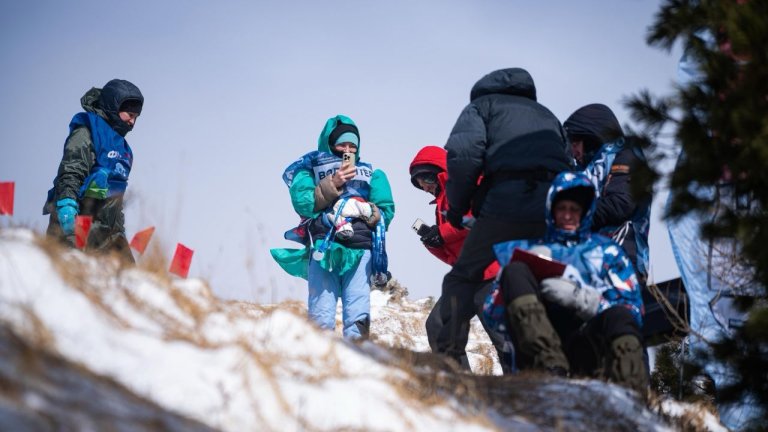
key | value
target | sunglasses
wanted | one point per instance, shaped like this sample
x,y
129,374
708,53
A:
x,y
429,179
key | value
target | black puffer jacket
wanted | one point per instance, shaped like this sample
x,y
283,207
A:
x,y
596,125
515,143
596,122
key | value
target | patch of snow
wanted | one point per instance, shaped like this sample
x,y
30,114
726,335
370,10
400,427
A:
x,y
707,421
239,366
225,367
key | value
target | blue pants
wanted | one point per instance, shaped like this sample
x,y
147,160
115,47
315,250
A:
x,y
353,287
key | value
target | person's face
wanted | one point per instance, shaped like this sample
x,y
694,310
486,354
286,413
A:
x,y
567,215
345,147
128,117
428,184
577,148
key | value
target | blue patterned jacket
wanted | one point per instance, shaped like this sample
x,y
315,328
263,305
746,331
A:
x,y
594,261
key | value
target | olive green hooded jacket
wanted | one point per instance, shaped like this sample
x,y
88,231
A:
x,y
108,227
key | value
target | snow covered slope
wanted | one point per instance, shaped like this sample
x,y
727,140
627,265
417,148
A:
x,y
170,348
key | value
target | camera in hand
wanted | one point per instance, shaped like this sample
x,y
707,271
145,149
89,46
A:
x,y
420,228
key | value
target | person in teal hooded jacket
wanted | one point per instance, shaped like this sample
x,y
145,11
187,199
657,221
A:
x,y
337,267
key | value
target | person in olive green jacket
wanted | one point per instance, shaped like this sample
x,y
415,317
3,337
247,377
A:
x,y
93,173
337,267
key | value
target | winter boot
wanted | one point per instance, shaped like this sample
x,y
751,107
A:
x,y
535,335
364,327
626,365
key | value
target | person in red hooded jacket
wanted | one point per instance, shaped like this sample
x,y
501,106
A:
x,y
429,173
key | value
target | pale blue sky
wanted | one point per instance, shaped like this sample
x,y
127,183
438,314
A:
x,y
236,90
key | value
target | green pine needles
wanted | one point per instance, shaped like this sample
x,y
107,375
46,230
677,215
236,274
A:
x,y
719,120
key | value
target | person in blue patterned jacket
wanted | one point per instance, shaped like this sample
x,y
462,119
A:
x,y
586,322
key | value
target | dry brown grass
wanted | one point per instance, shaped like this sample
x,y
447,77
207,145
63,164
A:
x,y
103,280
396,291
429,380
691,420
73,271
153,261
485,365
39,334
105,277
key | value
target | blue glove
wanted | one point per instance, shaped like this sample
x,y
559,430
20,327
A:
x,y
66,210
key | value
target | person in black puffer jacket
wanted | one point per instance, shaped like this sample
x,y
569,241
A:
x,y
518,146
609,158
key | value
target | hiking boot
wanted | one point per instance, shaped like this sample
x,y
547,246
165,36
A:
x,y
626,364
535,335
364,327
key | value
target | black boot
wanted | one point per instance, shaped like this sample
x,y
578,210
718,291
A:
x,y
364,327
627,366
535,335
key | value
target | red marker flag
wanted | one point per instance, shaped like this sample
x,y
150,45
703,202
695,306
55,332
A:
x,y
182,259
141,239
6,198
82,227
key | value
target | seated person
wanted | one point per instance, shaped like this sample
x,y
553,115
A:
x,y
587,321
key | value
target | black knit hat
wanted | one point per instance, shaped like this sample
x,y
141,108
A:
x,y
340,130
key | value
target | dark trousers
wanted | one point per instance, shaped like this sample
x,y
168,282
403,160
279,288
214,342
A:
x,y
435,324
100,239
585,345
462,283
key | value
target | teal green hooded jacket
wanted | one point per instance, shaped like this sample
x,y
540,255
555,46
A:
x,y
338,258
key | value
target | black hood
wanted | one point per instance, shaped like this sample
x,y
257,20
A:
x,y
594,120
594,125
106,102
512,81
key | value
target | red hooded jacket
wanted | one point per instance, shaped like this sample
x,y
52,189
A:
x,y
453,239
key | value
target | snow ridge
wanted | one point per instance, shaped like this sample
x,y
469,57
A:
x,y
240,366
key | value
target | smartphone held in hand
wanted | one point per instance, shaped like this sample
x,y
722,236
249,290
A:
x,y
418,224
347,159
419,227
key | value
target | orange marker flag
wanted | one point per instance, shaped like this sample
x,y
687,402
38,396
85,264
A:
x,y
6,198
141,239
82,227
182,259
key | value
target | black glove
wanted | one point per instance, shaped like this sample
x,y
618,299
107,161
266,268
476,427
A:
x,y
455,218
432,237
